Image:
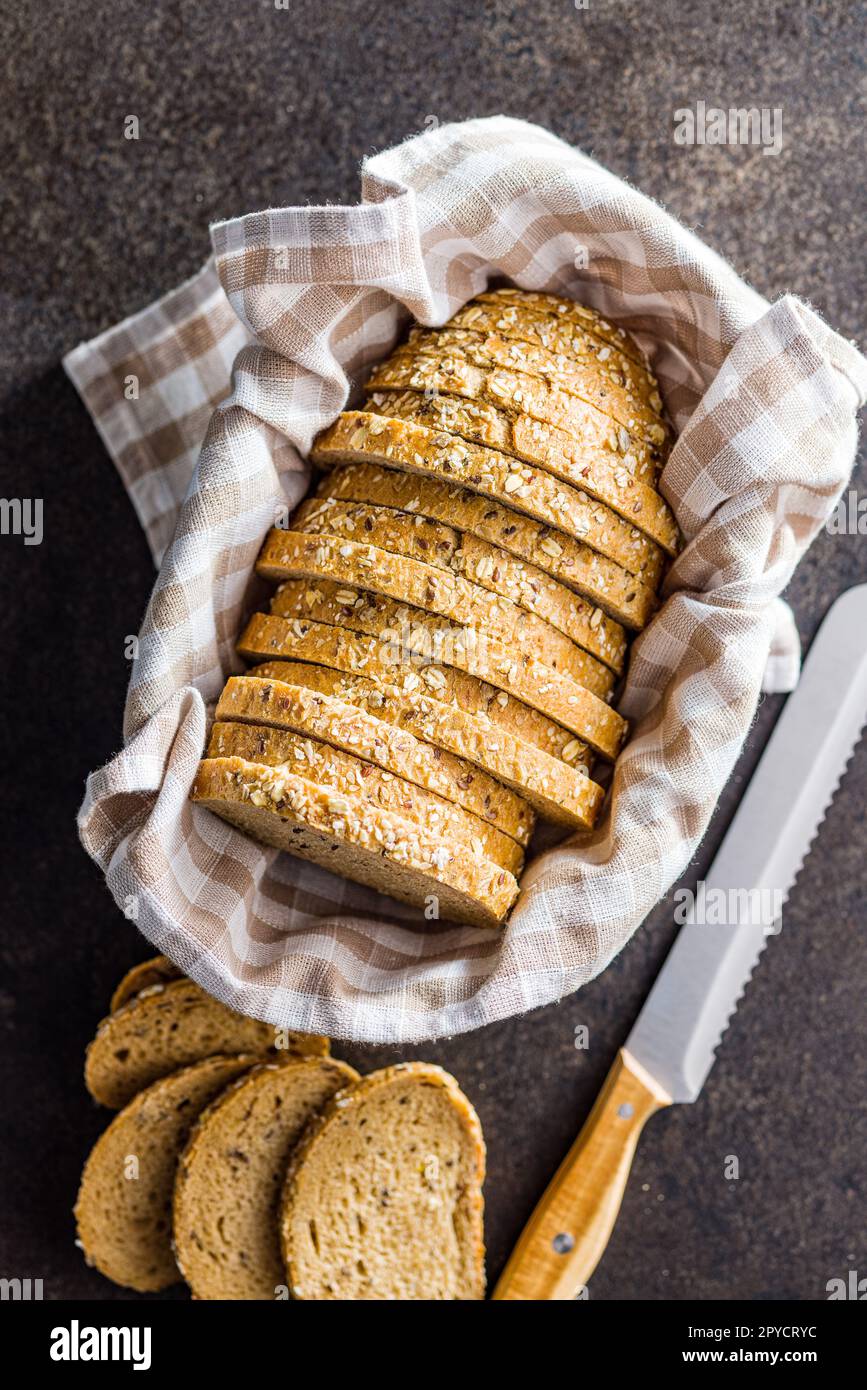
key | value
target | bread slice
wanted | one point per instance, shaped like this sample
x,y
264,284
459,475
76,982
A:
x,y
230,1177
383,1197
124,1206
401,629
342,833
390,662
325,715
293,555
171,1026
560,792
482,564
599,472
159,970
560,353
465,369
344,772
517,306
369,437
605,586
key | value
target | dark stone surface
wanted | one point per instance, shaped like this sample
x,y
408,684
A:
x,y
243,106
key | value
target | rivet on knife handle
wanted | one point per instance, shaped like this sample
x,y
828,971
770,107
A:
x,y
569,1230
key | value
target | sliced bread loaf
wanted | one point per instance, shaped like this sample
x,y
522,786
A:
x,y
344,772
173,1026
604,585
515,305
293,554
612,383
559,792
390,661
313,710
516,672
159,970
124,1206
597,471
230,1177
481,563
383,1197
426,448
342,833
463,370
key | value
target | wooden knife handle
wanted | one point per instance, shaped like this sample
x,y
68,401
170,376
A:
x,y
566,1236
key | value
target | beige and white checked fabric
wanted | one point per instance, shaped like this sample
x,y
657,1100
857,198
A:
x,y
302,300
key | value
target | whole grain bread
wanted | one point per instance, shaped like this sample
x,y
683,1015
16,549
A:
x,y
171,1026
424,448
517,672
124,1206
515,306
387,659
294,554
483,564
344,772
597,373
583,463
383,1198
159,970
312,710
603,584
230,1177
342,833
465,369
560,792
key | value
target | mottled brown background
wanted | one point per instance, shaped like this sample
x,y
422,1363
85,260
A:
x,y
243,106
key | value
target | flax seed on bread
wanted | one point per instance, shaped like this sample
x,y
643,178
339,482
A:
x,y
313,710
584,465
515,672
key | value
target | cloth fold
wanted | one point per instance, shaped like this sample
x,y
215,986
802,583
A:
x,y
208,401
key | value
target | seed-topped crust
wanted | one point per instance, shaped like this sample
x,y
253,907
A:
x,y
573,401
419,537
560,789
583,463
367,437
572,348
621,597
290,554
387,660
331,741
343,833
516,305
517,673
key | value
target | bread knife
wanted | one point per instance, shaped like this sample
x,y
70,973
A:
x,y
668,1054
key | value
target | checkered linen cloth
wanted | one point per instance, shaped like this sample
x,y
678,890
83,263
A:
x,y
294,305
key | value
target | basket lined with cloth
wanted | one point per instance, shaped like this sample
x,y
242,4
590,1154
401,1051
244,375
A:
x,y
304,302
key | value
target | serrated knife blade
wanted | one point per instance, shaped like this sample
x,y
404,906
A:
x,y
671,1048
695,994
